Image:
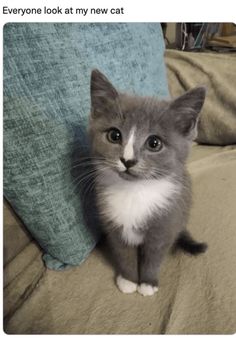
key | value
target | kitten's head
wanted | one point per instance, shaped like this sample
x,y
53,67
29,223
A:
x,y
135,137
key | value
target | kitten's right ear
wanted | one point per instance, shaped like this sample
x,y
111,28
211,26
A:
x,y
186,109
104,96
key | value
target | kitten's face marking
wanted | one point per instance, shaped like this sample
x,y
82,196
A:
x,y
129,147
154,135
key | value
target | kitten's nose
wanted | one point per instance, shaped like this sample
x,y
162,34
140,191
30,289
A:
x,y
128,163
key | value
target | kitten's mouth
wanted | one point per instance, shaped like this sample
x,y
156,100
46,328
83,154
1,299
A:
x,y
127,175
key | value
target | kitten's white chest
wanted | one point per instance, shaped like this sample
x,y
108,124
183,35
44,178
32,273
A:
x,y
129,204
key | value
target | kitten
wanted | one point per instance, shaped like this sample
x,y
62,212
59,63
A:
x,y
143,191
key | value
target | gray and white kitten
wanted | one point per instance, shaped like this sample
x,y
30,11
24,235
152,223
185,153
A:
x,y
139,146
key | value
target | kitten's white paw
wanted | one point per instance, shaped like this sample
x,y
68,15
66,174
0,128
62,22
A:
x,y
126,285
146,289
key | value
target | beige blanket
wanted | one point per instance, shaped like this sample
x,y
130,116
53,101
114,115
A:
x,y
218,73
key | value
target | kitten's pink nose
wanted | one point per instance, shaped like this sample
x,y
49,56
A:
x,y
129,163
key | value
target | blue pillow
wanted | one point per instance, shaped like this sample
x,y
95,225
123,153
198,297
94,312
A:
x,y
47,69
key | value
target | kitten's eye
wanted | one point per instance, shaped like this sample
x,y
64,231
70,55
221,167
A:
x,y
154,143
114,135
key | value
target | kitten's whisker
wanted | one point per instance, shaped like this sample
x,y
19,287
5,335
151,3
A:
x,y
86,176
82,178
91,182
93,163
80,147
91,157
84,165
90,186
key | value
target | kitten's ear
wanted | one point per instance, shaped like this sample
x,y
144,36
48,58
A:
x,y
186,109
103,95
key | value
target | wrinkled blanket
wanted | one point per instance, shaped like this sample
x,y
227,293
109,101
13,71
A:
x,y
217,72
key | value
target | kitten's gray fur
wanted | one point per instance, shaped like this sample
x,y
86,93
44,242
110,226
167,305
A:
x,y
175,123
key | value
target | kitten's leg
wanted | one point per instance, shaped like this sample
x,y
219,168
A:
x,y
124,258
150,258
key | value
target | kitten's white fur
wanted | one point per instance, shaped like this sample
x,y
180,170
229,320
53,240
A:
x,y
129,148
121,166
125,285
129,203
146,289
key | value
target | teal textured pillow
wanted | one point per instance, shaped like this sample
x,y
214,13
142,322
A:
x,y
47,70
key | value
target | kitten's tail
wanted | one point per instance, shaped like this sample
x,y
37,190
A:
x,y
189,245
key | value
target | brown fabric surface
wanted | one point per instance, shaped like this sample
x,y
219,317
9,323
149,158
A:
x,y
217,72
196,295
14,234
23,266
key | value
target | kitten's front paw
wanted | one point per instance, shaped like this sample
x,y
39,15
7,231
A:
x,y
126,285
146,289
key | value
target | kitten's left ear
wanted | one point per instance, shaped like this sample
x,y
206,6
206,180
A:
x,y
185,110
103,95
